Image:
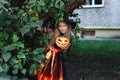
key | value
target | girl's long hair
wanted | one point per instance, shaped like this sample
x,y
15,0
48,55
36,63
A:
x,y
58,33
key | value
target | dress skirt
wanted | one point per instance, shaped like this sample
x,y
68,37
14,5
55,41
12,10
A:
x,y
53,69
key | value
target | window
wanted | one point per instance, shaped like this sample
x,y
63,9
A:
x,y
93,3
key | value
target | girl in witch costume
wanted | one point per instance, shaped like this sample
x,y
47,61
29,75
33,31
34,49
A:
x,y
59,43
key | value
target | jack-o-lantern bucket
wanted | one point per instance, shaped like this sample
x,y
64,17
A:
x,y
62,41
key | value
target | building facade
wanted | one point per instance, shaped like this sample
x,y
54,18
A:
x,y
100,18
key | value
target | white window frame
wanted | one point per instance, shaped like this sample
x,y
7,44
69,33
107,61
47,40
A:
x,y
94,5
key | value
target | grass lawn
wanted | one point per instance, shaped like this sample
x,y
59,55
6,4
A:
x,y
93,60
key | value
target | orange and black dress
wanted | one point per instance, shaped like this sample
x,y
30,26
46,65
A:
x,y
53,69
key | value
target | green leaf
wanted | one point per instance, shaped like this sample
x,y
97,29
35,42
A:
x,y
9,47
25,18
19,44
23,71
51,5
3,2
15,38
46,41
41,3
8,22
61,4
14,17
20,65
40,23
23,61
15,69
5,67
1,69
32,68
38,50
24,30
12,60
6,56
20,12
39,8
33,5
57,4
4,35
48,37
13,78
21,55
38,58
4,77
31,1
1,61
33,24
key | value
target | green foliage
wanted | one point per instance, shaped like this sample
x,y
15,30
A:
x,y
77,32
19,49
43,6
21,45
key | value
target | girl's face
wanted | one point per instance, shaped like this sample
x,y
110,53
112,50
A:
x,y
63,27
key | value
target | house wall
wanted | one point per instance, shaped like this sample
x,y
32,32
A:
x,y
107,33
101,17
107,16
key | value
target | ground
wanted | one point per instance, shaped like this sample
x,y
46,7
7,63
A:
x,y
78,68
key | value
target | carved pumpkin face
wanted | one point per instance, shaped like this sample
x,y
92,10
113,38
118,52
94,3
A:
x,y
62,41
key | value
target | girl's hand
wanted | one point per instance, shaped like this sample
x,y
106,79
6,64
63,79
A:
x,y
66,47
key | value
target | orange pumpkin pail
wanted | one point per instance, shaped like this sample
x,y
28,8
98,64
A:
x,y
62,41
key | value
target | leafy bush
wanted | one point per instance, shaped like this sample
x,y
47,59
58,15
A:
x,y
21,45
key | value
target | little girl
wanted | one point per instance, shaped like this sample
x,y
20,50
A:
x,y
53,69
